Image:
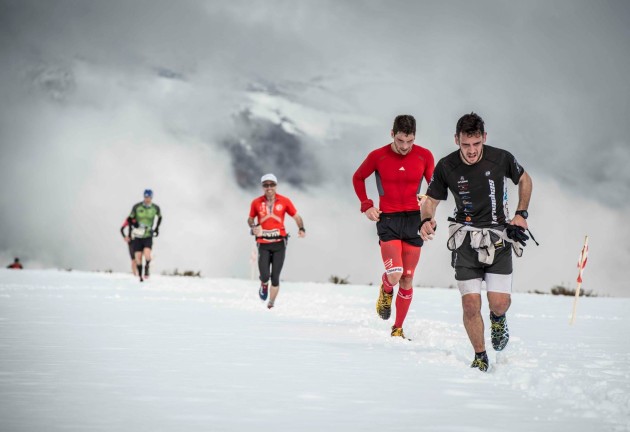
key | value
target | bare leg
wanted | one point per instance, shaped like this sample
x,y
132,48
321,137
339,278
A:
x,y
499,303
273,293
471,304
406,283
394,278
134,269
138,258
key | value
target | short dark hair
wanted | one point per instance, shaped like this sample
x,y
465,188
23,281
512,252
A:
x,y
470,124
404,123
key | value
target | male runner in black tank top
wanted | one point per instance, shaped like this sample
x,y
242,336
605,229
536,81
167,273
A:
x,y
476,175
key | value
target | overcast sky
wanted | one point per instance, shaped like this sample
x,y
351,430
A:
x,y
104,99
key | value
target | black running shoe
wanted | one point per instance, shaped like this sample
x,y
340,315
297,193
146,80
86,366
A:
x,y
480,362
499,331
263,291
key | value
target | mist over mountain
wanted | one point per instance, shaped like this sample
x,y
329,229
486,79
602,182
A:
x,y
102,100
262,146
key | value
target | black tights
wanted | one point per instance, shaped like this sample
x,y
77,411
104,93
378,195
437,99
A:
x,y
271,255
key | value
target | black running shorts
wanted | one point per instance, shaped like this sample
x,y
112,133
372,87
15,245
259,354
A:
x,y
400,226
139,244
467,266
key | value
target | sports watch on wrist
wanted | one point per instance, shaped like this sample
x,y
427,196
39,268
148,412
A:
x,y
522,213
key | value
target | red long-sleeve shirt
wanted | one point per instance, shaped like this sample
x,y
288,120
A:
x,y
398,178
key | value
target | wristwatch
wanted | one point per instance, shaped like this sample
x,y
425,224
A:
x,y
522,213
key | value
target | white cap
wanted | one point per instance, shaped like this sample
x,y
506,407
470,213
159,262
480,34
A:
x,y
269,177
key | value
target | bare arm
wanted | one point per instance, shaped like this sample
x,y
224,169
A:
x,y
255,229
300,223
427,230
525,187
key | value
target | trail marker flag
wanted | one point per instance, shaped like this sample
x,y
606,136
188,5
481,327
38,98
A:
x,y
581,264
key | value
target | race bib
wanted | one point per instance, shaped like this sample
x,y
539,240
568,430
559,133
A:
x,y
138,232
275,233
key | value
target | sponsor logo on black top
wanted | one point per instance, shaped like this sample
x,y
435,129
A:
x,y
493,200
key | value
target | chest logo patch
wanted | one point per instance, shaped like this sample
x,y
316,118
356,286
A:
x,y
487,173
401,169
278,207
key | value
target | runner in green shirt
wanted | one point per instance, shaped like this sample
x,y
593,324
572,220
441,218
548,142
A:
x,y
141,220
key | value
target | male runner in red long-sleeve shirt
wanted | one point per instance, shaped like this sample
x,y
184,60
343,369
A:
x,y
399,168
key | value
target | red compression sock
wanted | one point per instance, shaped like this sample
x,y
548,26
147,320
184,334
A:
x,y
403,301
387,287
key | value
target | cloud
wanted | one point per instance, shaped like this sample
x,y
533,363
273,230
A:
x,y
104,99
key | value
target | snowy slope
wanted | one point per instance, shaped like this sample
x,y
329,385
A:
x,y
101,352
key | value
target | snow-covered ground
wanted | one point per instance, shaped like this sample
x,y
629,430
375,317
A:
x,y
102,352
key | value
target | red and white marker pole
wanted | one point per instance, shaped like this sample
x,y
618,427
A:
x,y
581,265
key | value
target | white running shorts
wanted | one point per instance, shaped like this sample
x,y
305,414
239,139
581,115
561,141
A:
x,y
494,283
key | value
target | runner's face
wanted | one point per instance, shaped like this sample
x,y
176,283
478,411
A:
x,y
147,200
402,143
269,188
471,147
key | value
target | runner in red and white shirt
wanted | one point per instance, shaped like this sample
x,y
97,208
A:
x,y
266,220
399,168
127,238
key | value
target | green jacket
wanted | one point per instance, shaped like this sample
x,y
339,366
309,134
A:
x,y
145,217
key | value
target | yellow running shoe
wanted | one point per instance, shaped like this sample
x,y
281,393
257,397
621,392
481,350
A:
x,y
384,304
398,332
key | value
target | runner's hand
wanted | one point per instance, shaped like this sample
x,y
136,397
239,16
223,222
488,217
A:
x,y
427,230
257,230
517,233
373,214
127,239
156,232
519,220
